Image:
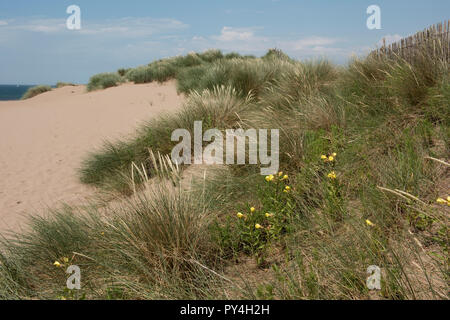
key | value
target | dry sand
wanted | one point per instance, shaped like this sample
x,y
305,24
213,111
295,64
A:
x,y
44,139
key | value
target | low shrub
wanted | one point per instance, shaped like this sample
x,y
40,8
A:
x,y
64,84
34,91
103,81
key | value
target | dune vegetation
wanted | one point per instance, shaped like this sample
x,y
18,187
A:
x,y
103,81
61,84
36,90
364,156
182,68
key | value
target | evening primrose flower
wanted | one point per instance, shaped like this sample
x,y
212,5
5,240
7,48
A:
x,y
280,173
285,177
286,189
323,157
268,215
252,209
441,201
369,223
258,226
330,158
240,215
269,178
334,154
332,175
65,260
57,264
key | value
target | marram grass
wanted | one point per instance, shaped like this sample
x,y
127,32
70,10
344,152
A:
x,y
364,157
34,91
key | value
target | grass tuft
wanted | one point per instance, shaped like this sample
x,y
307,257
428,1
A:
x,y
103,81
34,91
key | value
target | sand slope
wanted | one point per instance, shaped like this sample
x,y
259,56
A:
x,y
44,139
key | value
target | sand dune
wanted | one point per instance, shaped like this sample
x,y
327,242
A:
x,y
44,139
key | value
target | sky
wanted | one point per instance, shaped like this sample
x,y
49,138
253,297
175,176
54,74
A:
x,y
36,47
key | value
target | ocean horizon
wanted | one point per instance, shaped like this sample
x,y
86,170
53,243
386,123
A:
x,y
13,91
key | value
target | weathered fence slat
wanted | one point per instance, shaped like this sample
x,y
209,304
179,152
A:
x,y
435,40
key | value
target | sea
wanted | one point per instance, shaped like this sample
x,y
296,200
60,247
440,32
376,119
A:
x,y
13,91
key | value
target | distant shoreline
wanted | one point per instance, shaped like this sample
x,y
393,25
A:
x,y
10,92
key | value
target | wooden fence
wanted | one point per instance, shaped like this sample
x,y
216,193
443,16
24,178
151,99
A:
x,y
435,41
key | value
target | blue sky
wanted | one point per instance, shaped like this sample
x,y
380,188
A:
x,y
36,47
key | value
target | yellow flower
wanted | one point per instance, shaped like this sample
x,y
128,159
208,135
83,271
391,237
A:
x,y
268,215
57,264
334,154
286,189
65,260
441,201
369,223
269,178
258,226
102,233
285,177
323,157
448,199
280,173
252,209
332,175
240,215
330,158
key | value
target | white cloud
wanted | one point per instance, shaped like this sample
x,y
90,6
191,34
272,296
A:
x,y
35,25
390,39
233,34
234,39
130,27
198,38
247,40
133,27
310,43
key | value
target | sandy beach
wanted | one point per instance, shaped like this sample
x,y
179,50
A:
x,y
45,138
